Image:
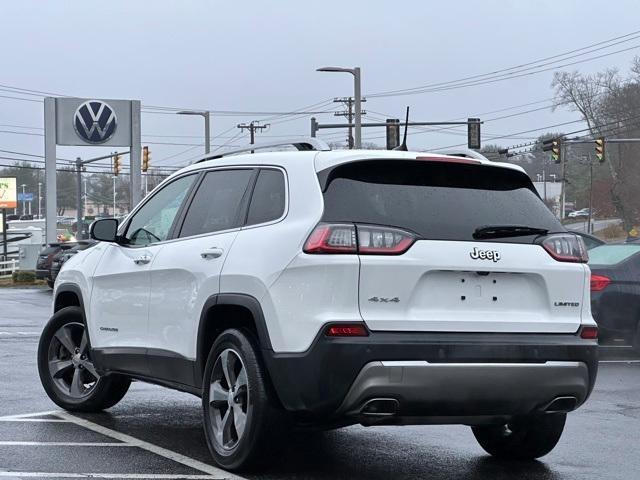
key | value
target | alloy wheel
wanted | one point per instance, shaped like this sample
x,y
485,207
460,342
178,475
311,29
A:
x,y
70,366
228,399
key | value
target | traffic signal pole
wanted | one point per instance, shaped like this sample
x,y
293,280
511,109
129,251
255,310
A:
x,y
79,203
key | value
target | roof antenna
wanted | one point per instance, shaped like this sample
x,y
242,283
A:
x,y
403,145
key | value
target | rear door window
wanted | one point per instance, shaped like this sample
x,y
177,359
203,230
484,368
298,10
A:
x,y
436,200
268,199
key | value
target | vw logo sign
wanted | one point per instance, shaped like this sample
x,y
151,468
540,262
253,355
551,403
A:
x,y
95,121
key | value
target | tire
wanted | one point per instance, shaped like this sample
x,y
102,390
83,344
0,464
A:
x,y
66,370
250,407
525,438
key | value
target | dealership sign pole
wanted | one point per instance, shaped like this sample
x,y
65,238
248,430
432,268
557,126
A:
x,y
89,122
8,199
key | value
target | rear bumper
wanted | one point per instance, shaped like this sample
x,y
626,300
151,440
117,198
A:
x,y
435,374
418,388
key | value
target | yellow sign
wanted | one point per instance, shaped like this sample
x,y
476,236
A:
x,y
8,192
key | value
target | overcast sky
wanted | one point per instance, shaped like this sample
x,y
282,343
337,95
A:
x,y
262,56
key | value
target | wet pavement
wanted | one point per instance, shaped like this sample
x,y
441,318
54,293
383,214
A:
x,y
157,433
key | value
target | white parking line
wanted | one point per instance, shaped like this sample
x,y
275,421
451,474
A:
x,y
150,476
65,444
28,417
34,420
150,447
24,334
619,361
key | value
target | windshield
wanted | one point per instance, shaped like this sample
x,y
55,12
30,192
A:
x,y
611,254
438,201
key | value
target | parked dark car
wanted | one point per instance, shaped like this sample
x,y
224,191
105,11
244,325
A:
x,y
615,292
64,255
12,217
45,259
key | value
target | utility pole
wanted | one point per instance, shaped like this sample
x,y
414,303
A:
x,y
114,195
590,225
252,127
563,175
348,113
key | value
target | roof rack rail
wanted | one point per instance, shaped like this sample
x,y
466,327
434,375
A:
x,y
301,143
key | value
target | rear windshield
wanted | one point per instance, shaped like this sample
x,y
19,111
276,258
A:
x,y
611,254
436,200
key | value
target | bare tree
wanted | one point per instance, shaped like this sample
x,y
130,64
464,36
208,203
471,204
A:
x,y
609,104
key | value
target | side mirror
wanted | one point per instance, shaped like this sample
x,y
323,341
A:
x,y
104,230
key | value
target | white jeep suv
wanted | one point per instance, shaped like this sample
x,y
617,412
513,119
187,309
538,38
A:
x,y
319,289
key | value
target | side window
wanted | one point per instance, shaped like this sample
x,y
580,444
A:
x,y
152,223
216,204
268,200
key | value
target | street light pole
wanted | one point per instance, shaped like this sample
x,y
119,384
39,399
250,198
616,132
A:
x,y
357,99
207,131
358,108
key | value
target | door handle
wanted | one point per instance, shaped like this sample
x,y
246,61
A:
x,y
214,252
142,259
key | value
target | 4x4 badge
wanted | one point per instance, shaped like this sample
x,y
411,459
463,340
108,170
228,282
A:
x,y
384,299
477,254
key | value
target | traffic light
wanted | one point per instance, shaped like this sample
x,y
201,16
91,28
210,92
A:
x,y
556,153
553,145
116,164
600,149
146,158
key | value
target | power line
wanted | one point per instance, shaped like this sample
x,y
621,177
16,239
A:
x,y
171,110
518,68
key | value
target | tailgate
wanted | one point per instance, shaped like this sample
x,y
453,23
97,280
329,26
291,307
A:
x,y
445,286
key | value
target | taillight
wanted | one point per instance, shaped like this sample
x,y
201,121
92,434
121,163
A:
x,y
362,239
374,240
355,330
332,238
566,247
599,282
589,333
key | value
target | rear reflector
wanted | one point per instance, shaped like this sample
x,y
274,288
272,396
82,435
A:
x,y
356,330
362,239
566,247
589,333
599,282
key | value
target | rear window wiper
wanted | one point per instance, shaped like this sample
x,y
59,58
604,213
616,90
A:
x,y
503,231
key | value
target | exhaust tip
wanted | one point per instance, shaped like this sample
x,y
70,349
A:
x,y
561,405
380,407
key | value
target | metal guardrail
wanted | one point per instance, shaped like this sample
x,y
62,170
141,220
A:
x,y
7,267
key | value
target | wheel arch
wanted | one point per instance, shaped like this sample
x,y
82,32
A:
x,y
68,295
215,317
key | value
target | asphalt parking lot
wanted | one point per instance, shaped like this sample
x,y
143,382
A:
x,y
156,433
